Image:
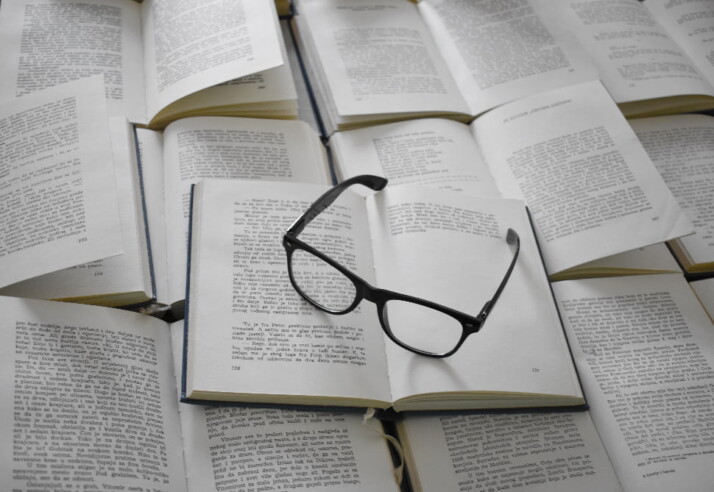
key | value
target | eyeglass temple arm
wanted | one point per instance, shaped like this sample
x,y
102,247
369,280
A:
x,y
513,239
375,183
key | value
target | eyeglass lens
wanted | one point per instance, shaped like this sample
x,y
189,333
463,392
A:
x,y
421,327
321,282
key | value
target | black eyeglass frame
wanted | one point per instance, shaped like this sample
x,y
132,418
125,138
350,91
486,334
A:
x,y
364,291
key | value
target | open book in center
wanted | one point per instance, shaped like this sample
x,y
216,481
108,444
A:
x,y
251,338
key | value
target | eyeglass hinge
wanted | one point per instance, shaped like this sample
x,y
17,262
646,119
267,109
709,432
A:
x,y
483,314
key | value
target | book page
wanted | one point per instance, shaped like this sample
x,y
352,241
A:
x,y
191,46
582,172
268,93
635,56
644,348
280,449
229,148
250,332
58,194
150,147
501,51
306,110
87,400
377,57
48,42
435,152
655,258
705,292
274,448
124,273
450,248
533,452
682,148
690,25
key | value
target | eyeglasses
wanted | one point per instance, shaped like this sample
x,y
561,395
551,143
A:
x,y
415,324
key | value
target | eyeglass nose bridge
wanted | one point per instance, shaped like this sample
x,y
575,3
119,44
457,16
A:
x,y
369,293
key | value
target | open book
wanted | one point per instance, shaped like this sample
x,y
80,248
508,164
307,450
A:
x,y
154,225
383,62
98,410
393,60
644,348
252,338
569,154
212,147
121,280
681,148
161,59
58,197
654,56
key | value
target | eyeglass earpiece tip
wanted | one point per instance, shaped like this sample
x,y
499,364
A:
x,y
511,236
380,183
372,181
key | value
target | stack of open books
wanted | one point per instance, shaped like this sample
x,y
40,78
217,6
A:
x,y
153,154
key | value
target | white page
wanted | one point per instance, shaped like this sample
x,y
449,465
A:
x,y
238,447
644,348
194,45
50,42
378,57
59,193
435,152
249,330
455,253
127,272
533,452
689,24
635,57
582,172
229,148
151,159
89,396
501,51
682,148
